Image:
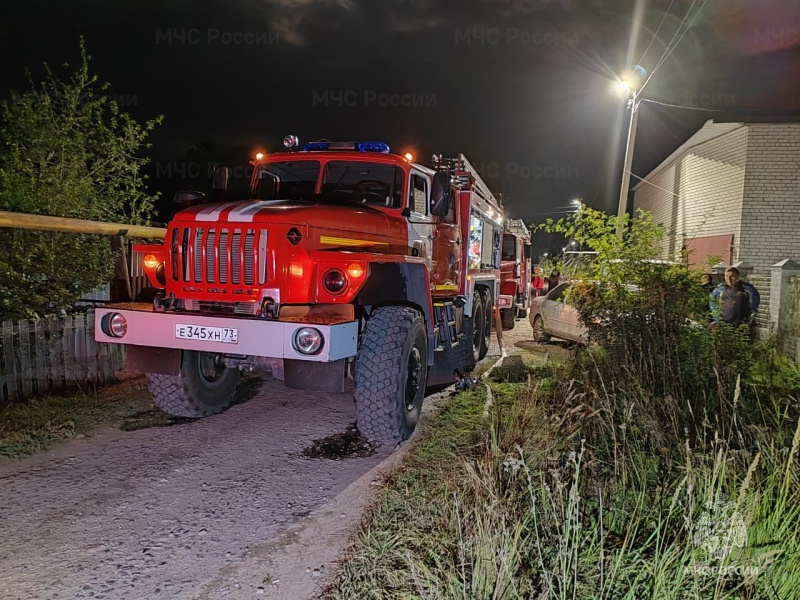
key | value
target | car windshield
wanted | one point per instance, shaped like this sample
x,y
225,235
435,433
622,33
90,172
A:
x,y
359,182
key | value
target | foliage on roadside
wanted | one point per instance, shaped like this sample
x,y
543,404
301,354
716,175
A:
x,y
35,425
661,462
66,150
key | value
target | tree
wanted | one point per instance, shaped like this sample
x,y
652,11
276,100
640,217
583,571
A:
x,y
66,150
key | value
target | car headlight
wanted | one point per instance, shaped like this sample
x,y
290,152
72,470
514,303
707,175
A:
x,y
308,340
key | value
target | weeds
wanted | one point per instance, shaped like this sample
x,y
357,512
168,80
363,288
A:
x,y
37,424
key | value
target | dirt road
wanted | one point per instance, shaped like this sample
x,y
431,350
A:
x,y
224,507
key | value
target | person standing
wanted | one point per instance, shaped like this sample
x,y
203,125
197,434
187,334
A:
x,y
537,282
736,302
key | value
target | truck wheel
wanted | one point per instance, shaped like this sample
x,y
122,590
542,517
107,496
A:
x,y
391,373
204,386
508,317
477,326
522,313
486,298
539,334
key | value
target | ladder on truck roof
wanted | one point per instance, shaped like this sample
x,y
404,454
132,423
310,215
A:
x,y
465,177
517,227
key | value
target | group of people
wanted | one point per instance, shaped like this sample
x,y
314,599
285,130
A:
x,y
735,301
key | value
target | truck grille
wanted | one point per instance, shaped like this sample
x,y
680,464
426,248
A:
x,y
219,255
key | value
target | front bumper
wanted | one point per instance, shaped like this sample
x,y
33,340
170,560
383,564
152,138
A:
x,y
254,337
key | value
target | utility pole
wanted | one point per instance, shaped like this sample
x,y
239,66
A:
x,y
622,209
632,86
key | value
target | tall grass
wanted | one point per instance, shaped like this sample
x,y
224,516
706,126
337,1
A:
x,y
576,488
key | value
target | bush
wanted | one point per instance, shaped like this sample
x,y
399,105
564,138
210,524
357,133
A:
x,y
66,150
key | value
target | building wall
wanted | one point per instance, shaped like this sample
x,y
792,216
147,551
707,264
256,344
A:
x,y
659,199
712,188
709,182
771,211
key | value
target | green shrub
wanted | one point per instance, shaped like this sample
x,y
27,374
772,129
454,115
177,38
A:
x,y
66,150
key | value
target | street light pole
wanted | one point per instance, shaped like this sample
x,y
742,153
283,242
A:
x,y
622,209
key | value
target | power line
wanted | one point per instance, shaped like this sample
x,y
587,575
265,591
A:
x,y
674,44
715,110
655,35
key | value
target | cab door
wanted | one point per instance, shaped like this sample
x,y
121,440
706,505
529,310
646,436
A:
x,y
446,270
420,223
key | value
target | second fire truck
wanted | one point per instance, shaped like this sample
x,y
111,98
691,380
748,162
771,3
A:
x,y
515,275
344,261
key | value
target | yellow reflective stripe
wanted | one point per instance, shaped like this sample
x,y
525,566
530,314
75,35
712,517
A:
x,y
447,286
337,241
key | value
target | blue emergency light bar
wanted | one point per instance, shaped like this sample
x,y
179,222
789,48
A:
x,y
357,146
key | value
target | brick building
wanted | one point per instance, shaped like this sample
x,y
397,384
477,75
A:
x,y
732,190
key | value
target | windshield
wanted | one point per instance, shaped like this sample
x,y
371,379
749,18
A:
x,y
358,182
363,183
294,180
509,247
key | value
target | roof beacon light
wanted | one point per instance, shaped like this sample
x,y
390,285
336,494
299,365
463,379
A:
x,y
357,146
291,141
259,155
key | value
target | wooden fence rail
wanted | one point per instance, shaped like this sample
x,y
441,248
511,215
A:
x,y
38,357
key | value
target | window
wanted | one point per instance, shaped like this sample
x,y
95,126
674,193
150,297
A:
x,y
418,195
509,247
558,292
295,180
373,184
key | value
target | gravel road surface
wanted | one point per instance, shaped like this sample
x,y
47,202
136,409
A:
x,y
223,507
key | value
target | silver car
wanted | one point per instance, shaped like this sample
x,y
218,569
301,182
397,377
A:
x,y
551,316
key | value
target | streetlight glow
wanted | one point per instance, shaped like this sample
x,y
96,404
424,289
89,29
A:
x,y
622,87
635,84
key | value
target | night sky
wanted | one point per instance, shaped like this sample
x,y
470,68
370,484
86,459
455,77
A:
x,y
522,87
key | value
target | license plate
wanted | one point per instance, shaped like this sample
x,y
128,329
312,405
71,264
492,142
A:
x,y
226,335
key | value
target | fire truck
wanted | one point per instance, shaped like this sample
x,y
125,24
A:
x,y
345,262
515,273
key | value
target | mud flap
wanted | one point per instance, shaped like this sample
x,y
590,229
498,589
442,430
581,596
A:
x,y
148,359
314,376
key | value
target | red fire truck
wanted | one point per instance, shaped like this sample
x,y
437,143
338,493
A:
x,y
515,273
345,261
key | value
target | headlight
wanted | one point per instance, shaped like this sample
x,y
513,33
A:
x,y
334,281
150,261
308,340
160,276
114,325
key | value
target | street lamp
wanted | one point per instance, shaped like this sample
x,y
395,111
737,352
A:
x,y
632,86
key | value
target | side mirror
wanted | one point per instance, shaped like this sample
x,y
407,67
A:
x,y
187,198
440,194
219,184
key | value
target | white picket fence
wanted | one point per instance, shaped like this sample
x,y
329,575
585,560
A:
x,y
39,357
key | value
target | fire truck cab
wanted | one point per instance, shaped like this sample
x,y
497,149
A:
x,y
515,273
345,261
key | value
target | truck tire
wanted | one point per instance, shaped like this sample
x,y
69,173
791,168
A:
x,y
204,386
522,313
508,317
391,373
477,324
486,298
539,334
